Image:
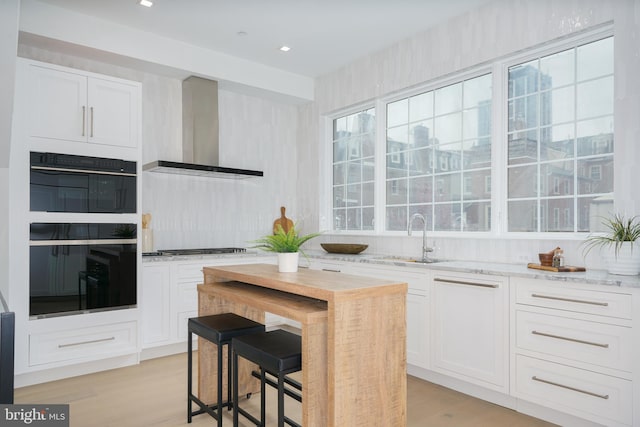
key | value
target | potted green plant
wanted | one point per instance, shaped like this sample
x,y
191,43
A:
x,y
287,245
617,243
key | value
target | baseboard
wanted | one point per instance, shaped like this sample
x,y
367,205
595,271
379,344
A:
x,y
477,391
507,401
53,374
166,350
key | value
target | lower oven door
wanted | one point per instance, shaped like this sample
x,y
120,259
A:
x,y
77,267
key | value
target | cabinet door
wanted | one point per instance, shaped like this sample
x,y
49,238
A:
x,y
470,335
156,304
417,308
417,328
112,115
57,104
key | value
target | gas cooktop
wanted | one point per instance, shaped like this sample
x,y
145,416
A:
x,y
206,251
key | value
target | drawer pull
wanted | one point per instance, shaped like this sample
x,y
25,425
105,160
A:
x,y
331,270
462,282
590,393
86,342
604,304
544,334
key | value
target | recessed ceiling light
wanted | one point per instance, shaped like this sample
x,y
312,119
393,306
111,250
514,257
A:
x,y
285,48
146,3
241,33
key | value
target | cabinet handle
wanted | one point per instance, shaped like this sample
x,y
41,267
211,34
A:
x,y
590,393
84,113
86,342
331,270
544,334
91,110
462,282
604,304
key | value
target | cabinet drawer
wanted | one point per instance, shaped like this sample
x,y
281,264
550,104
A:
x,y
92,343
605,345
579,392
578,300
190,271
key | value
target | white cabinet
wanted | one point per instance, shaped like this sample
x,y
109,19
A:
x,y
469,334
170,298
417,303
71,105
83,344
156,304
574,349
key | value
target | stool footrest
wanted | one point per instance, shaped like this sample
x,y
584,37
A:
x,y
291,422
209,409
289,381
249,416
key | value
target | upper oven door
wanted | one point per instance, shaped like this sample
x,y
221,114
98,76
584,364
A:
x,y
59,187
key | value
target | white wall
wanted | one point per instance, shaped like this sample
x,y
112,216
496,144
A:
x,y
494,30
9,14
203,212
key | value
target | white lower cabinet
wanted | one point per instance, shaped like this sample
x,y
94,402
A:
x,y
584,393
574,349
156,304
469,317
417,304
170,298
83,344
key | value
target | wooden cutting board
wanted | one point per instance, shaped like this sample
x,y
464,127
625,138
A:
x,y
565,269
283,221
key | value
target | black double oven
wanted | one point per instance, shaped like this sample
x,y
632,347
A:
x,y
80,266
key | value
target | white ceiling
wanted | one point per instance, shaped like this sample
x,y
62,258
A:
x,y
323,34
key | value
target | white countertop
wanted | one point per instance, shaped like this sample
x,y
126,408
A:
x,y
595,277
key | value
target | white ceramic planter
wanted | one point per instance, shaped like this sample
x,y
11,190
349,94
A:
x,y
626,262
288,262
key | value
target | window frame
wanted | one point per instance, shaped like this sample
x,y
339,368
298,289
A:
x,y
498,206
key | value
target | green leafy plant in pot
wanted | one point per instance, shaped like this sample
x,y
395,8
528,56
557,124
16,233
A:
x,y
617,243
287,245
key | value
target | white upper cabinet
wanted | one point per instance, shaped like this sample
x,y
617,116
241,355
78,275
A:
x,y
72,105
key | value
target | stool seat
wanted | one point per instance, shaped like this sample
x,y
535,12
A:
x,y
278,352
219,329
275,351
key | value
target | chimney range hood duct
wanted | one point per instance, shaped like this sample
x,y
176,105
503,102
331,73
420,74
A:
x,y
199,135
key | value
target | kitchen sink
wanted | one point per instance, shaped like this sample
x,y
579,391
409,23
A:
x,y
409,259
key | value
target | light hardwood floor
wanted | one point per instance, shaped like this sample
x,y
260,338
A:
x,y
153,393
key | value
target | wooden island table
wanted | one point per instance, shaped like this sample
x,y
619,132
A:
x,y
353,339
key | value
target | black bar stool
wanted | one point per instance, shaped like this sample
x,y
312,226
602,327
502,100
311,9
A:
x,y
277,352
219,329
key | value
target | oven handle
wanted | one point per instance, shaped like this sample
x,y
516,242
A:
x,y
49,168
81,242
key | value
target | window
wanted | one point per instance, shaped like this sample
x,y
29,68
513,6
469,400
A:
x,y
354,171
438,148
560,124
435,153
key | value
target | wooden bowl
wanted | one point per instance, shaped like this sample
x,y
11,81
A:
x,y
343,248
546,259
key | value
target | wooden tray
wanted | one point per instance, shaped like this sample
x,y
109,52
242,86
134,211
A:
x,y
343,248
565,269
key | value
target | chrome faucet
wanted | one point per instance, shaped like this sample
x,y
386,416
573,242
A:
x,y
425,248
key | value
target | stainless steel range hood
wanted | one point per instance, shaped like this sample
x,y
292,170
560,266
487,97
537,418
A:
x,y
199,135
